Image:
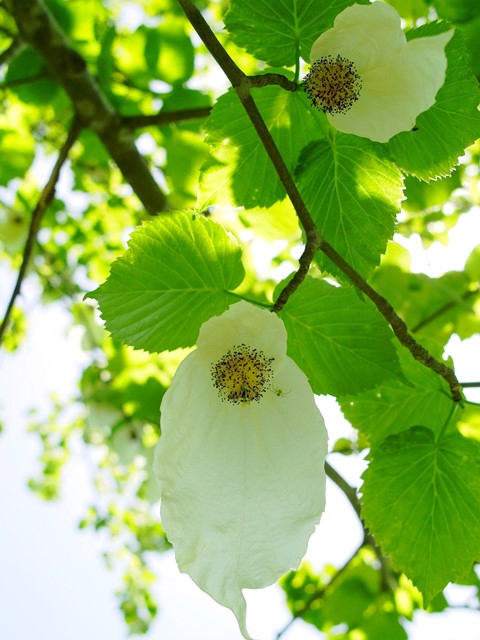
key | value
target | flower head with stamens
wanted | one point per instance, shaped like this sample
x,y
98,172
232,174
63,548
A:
x,y
368,79
240,461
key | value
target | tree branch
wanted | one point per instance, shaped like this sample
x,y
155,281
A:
x,y
43,203
348,490
318,594
265,79
38,28
242,85
386,577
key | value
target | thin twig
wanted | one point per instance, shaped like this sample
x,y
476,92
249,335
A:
x,y
443,309
314,240
266,79
386,577
165,117
43,203
469,385
318,594
343,485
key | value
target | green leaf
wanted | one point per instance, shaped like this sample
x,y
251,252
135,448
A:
x,y
431,307
175,56
421,195
279,32
353,193
30,79
341,342
444,131
17,153
457,10
175,275
470,32
421,501
394,406
186,153
240,170
410,9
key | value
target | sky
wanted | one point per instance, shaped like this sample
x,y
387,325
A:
x,y
53,581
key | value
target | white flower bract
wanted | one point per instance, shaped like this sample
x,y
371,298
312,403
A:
x,y
368,79
240,461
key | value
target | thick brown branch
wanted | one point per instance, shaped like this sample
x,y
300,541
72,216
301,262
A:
x,y
165,117
242,85
37,27
43,203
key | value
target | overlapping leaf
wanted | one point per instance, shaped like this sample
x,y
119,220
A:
x,y
353,194
421,500
394,406
240,170
175,275
341,342
444,131
278,31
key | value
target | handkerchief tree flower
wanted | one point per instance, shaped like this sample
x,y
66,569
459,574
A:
x,y
368,79
241,458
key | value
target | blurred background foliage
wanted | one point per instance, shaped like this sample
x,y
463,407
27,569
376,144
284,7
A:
x,y
146,61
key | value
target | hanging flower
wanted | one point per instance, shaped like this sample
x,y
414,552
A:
x,y
240,461
368,79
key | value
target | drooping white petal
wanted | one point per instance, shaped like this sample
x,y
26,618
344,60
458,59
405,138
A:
x,y
423,69
399,79
368,35
243,485
394,95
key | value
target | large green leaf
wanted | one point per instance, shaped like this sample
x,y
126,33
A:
x,y
341,342
353,193
457,10
280,31
444,131
240,170
175,275
393,406
421,500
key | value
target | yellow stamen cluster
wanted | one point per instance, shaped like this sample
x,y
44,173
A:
x,y
333,84
242,375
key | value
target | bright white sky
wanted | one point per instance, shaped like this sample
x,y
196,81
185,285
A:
x,y
53,583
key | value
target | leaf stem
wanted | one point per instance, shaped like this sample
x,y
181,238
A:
x,y
43,203
265,305
314,240
451,413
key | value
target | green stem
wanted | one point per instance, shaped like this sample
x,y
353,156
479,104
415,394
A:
x,y
447,421
265,305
